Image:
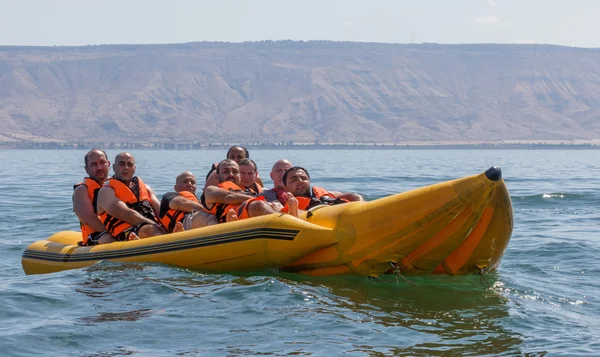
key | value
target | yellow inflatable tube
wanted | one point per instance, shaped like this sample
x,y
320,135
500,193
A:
x,y
456,227
258,243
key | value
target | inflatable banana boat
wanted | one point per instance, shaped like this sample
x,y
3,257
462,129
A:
x,y
456,227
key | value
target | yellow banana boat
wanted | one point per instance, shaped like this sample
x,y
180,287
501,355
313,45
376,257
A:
x,y
259,243
455,227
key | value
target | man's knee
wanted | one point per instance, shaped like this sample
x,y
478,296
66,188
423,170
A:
x,y
355,197
105,238
258,208
203,219
150,230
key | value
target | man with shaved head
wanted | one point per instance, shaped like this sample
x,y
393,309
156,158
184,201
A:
x,y
277,193
85,198
127,206
181,210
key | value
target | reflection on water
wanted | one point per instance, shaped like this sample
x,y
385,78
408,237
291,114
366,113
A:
x,y
459,314
441,314
103,276
118,316
117,351
105,266
94,288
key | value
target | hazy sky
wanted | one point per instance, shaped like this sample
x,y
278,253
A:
x,y
83,22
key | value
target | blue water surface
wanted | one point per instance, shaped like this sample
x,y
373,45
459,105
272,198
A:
x,y
542,300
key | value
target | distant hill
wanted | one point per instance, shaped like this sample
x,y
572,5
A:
x,y
299,91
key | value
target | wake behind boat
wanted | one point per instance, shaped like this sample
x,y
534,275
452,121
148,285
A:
x,y
456,227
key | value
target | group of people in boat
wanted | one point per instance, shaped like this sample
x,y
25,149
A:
x,y
123,207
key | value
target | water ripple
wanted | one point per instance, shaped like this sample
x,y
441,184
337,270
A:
x,y
542,300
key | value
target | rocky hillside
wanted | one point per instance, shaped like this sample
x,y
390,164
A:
x,y
299,91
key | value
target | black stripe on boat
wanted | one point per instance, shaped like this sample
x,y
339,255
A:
x,y
223,238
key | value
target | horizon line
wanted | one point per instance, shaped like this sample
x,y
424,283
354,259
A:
x,y
302,41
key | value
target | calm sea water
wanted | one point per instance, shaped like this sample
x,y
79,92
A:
x,y
543,299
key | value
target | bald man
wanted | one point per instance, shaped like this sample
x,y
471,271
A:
x,y
181,210
277,193
127,206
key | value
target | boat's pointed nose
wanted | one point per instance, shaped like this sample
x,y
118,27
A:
x,y
494,173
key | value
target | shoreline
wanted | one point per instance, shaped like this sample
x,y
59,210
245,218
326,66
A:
x,y
413,145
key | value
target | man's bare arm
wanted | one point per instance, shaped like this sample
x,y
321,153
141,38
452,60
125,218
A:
x,y
82,205
212,180
108,201
153,200
214,194
350,196
181,203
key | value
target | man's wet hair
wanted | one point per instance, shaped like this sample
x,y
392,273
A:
x,y
222,161
241,147
248,162
85,158
295,168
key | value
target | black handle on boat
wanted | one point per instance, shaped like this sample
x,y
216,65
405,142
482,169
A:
x,y
494,173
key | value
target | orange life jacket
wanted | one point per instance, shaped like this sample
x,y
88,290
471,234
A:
x,y
138,201
170,219
319,196
92,188
220,209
